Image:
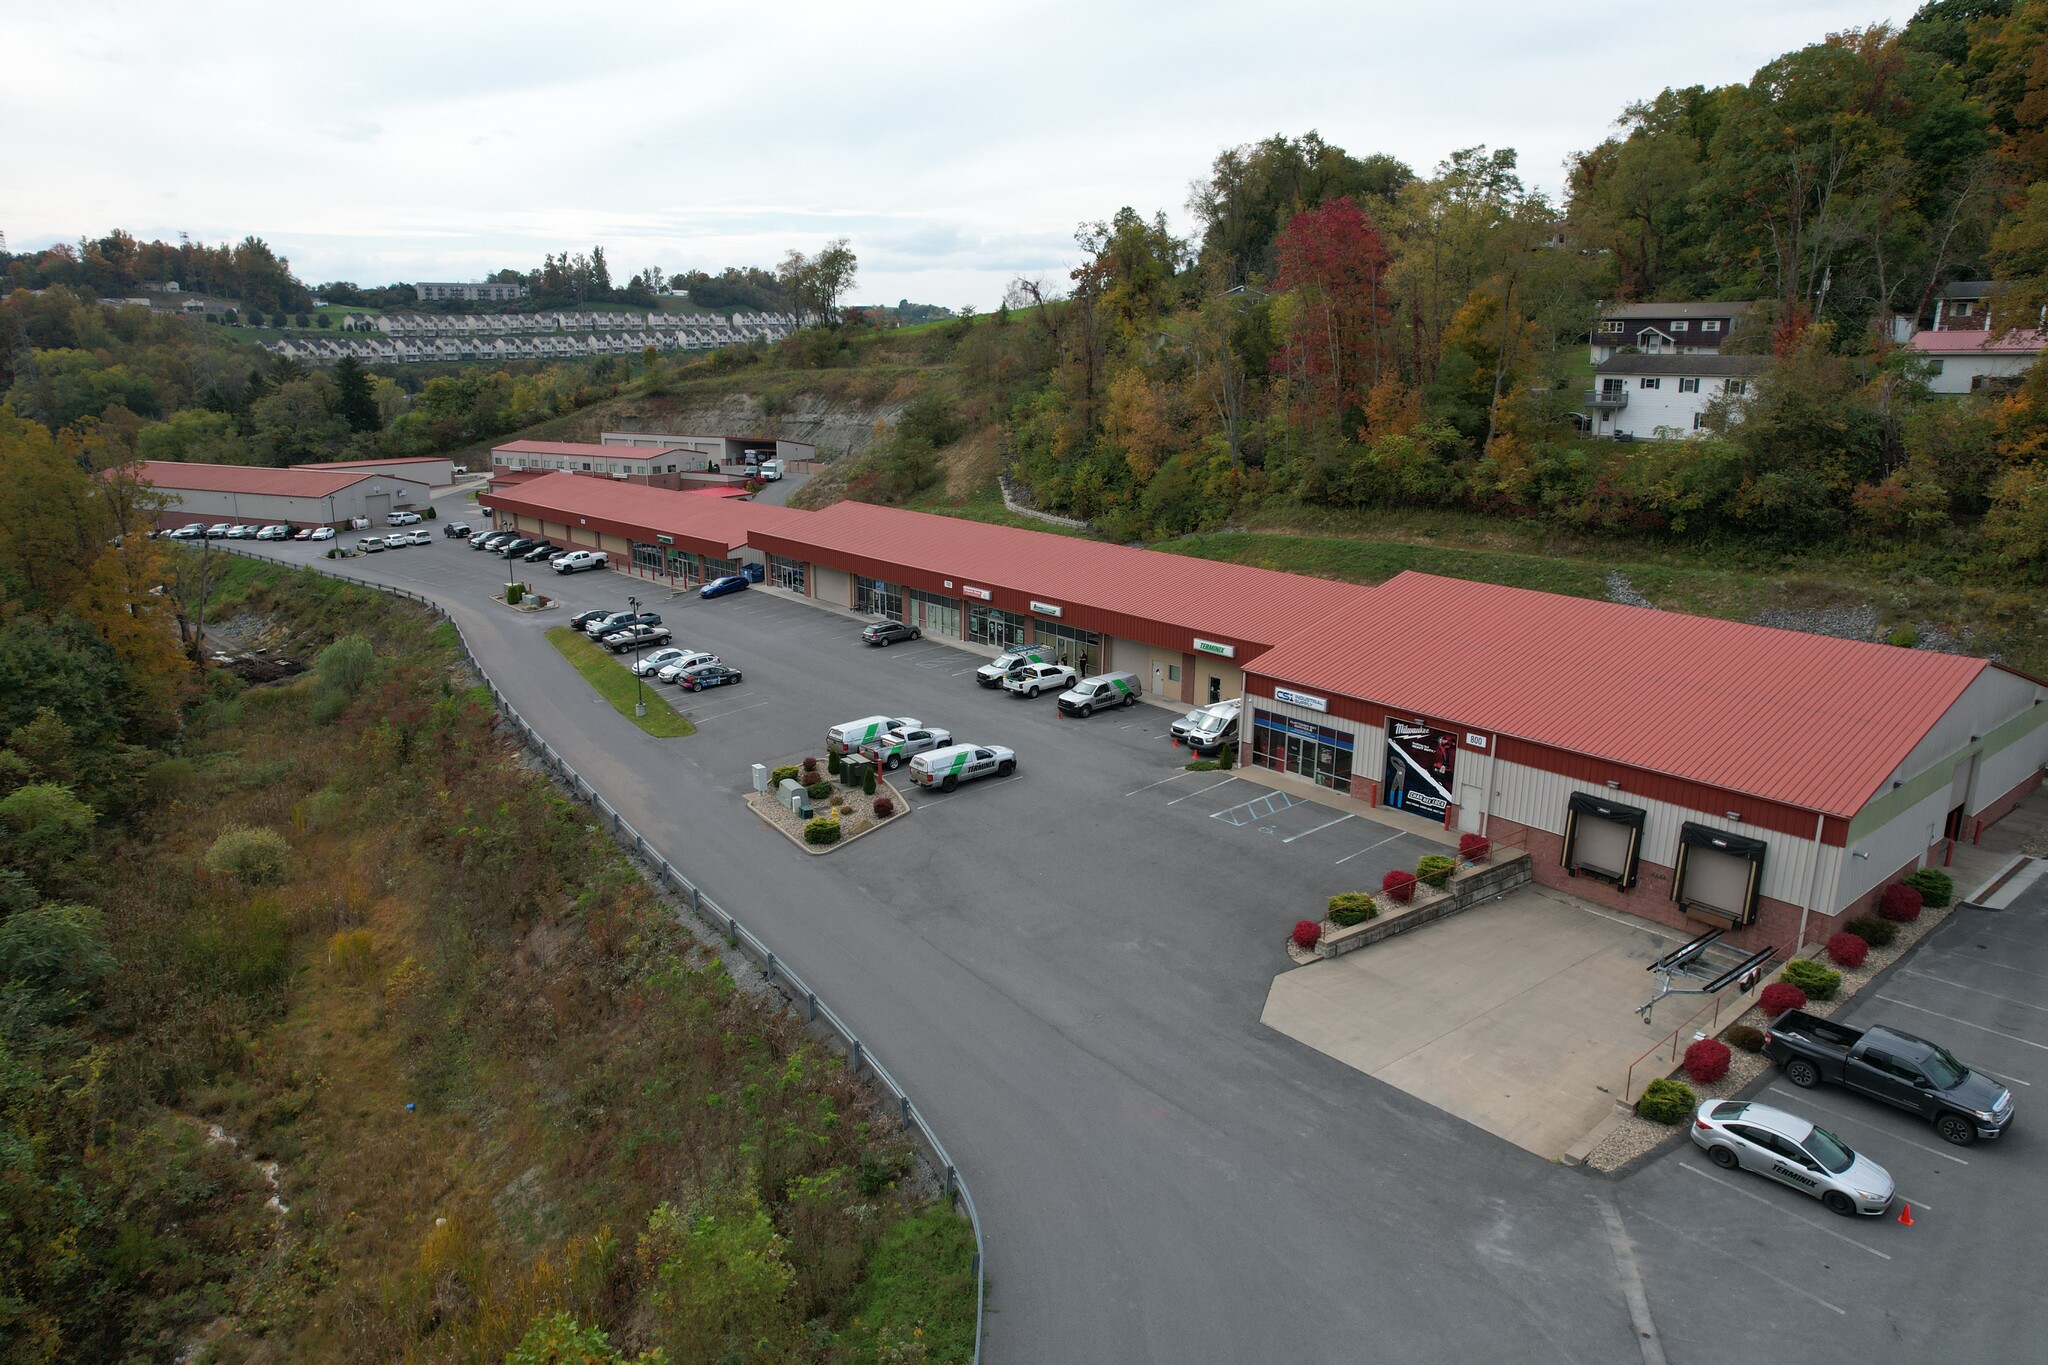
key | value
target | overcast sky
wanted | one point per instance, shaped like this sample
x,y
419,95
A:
x,y
956,144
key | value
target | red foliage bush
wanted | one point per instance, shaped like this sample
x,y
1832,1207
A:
x,y
1706,1060
1307,933
1778,997
1848,950
1899,903
1399,884
884,807
1474,847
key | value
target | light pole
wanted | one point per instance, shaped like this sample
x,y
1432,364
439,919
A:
x,y
639,698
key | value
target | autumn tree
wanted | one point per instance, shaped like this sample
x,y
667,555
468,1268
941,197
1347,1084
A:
x,y
1333,261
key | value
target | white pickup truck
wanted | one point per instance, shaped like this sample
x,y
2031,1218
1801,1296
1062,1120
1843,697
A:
x,y
1031,679
892,748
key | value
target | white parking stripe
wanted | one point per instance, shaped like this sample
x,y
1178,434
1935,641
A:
x,y
1319,828
1160,783
721,715
1988,995
1370,847
1745,1264
1894,1000
1797,1218
1864,1123
1224,783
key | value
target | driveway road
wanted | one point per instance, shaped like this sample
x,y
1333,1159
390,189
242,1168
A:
x,y
1066,971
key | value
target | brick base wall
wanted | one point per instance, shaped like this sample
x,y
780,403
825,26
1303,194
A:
x,y
1777,921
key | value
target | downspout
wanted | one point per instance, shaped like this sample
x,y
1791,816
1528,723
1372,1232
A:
x,y
1813,882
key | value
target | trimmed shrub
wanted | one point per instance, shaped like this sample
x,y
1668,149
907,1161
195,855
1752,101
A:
x,y
1307,934
513,592
1900,903
867,780
1435,869
1706,1060
1473,848
1226,756
1202,765
1847,949
832,764
823,830
1352,907
1778,997
1817,981
1743,1036
884,808
1399,885
811,766
786,772
1666,1101
1874,930
251,854
819,790
1936,887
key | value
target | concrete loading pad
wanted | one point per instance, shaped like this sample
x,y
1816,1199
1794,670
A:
x,y
1517,1016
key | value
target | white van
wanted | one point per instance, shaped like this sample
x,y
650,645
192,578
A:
x,y
842,739
991,674
1098,693
947,768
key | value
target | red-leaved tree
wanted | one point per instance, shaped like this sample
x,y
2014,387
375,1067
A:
x,y
1332,260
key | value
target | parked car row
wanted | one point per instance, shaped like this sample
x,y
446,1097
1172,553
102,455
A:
x,y
693,670
223,530
934,759
535,550
397,540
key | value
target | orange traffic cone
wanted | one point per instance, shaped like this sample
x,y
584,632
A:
x,y
1906,1215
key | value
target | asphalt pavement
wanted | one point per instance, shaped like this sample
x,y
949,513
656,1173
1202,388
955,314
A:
x,y
1066,970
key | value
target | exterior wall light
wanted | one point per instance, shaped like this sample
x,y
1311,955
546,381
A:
x,y
1734,815
1614,784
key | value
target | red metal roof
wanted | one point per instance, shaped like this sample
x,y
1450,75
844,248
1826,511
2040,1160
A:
x,y
243,478
1965,342
636,511
372,464
1232,601
1806,720
718,492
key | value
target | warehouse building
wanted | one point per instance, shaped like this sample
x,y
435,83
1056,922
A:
x,y
261,496
1695,772
437,471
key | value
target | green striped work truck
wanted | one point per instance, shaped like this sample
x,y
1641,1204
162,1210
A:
x,y
947,768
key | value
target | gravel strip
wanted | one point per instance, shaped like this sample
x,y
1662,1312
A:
x,y
1636,1137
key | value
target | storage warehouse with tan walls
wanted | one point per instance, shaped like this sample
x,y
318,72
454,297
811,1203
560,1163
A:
x,y
1185,626
260,496
655,534
724,449
1701,773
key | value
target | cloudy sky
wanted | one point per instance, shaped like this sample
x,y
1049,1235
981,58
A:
x,y
957,144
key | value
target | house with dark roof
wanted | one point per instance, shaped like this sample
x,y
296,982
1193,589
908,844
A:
x,y
1667,328
1665,397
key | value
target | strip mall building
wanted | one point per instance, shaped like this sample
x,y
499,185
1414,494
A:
x,y
1696,772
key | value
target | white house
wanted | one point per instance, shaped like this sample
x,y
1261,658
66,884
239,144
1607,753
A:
x,y
1663,397
1965,361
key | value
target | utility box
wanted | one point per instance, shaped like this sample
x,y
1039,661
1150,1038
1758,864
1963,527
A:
x,y
796,796
760,777
851,768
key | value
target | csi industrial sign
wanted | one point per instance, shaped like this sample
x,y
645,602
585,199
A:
x,y
1048,609
1303,699
1211,647
983,593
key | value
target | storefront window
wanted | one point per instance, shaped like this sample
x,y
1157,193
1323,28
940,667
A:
x,y
1081,648
646,556
684,567
1315,752
993,626
786,573
934,615
872,597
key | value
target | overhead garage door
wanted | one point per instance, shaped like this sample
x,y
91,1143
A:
x,y
1718,873
1603,838
377,507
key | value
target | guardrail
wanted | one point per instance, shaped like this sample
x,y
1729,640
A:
x,y
774,971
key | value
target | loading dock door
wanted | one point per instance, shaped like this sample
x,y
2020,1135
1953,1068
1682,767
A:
x,y
1603,838
1718,873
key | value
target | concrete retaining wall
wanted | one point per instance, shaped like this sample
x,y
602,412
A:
x,y
1473,886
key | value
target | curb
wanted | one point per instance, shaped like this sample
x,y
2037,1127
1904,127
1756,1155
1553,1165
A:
x,y
903,808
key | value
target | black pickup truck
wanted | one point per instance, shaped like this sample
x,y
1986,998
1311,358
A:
x,y
1895,1067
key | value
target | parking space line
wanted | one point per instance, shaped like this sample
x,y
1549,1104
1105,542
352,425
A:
x,y
1747,1265
2002,1080
1988,995
1370,847
1894,1000
1272,803
2007,967
1224,783
721,715
1865,1123
1318,829
1797,1218
1160,783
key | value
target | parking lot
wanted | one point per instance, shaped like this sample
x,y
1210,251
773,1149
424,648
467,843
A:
x,y
1965,1278
1068,967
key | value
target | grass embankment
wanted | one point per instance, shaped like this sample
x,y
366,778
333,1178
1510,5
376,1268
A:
x,y
503,1083
603,671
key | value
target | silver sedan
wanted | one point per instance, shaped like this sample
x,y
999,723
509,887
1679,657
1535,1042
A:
x,y
1786,1148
